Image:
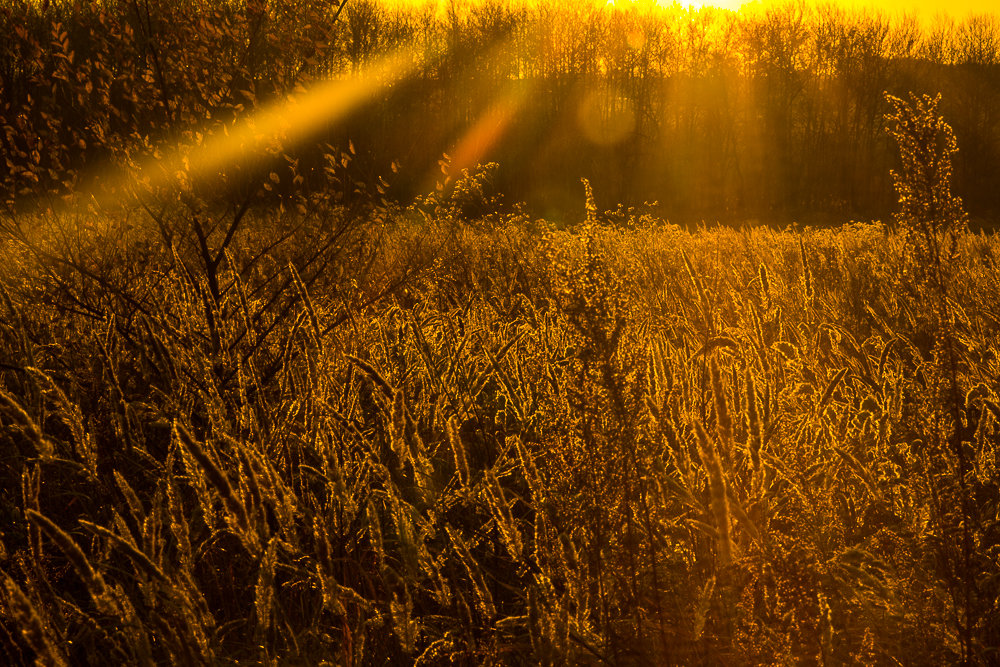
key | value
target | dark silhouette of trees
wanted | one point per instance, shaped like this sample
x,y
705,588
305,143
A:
x,y
771,114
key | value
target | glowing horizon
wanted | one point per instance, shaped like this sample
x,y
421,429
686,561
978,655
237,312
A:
x,y
297,117
957,9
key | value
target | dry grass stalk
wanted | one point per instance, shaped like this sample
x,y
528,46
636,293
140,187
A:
x,y
10,405
214,474
138,557
719,498
32,628
724,420
458,452
98,589
753,418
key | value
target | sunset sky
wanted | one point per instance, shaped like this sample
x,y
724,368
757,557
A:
x,y
929,8
926,7
922,6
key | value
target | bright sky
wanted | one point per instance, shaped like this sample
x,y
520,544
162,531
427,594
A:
x,y
956,8
921,8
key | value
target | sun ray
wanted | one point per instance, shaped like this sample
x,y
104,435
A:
x,y
283,123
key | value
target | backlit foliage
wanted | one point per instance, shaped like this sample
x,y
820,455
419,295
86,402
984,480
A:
x,y
637,445
714,114
258,414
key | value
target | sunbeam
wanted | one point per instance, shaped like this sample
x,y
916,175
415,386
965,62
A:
x,y
284,123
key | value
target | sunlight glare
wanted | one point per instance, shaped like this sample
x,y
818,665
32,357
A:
x,y
606,117
473,148
281,124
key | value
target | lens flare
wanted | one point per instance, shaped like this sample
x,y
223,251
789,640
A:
x,y
490,128
606,117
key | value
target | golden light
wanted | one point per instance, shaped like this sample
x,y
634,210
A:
x,y
957,8
924,8
605,117
282,123
473,148
733,5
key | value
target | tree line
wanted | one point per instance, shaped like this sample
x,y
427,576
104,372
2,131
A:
x,y
773,113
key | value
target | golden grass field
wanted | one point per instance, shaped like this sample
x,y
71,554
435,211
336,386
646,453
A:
x,y
252,411
495,442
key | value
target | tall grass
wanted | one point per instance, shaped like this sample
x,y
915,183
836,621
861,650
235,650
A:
x,y
371,434
603,445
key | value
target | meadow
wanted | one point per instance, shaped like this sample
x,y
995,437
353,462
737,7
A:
x,y
492,441
255,410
